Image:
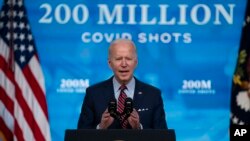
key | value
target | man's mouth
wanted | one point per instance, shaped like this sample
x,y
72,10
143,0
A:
x,y
124,71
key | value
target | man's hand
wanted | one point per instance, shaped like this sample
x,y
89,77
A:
x,y
134,120
106,120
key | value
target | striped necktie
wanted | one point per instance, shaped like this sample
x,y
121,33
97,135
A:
x,y
121,102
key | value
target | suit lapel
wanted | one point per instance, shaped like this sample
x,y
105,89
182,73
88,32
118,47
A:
x,y
108,96
109,90
138,95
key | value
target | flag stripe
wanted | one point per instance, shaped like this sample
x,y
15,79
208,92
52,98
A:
x,y
32,102
18,133
9,104
37,91
4,50
29,115
7,77
5,97
22,123
36,69
6,111
9,87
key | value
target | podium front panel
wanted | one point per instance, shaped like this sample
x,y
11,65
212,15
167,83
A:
x,y
120,135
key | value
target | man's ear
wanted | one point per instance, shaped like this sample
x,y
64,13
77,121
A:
x,y
109,63
136,62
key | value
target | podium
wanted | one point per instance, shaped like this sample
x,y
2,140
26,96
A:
x,y
119,135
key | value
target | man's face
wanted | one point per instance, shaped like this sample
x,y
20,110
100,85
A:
x,y
123,61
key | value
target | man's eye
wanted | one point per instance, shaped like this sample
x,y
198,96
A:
x,y
118,59
128,58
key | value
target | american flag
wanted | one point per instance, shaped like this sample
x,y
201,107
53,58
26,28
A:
x,y
23,108
240,98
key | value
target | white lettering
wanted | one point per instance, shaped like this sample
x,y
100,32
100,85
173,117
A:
x,y
142,38
131,10
187,38
85,14
98,37
153,38
206,15
183,11
164,37
86,37
163,18
243,131
46,18
106,17
58,16
196,84
176,36
199,14
237,132
74,83
221,9
144,15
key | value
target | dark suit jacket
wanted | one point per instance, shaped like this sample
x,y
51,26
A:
x,y
147,101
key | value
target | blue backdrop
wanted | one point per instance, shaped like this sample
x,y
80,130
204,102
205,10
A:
x,y
188,49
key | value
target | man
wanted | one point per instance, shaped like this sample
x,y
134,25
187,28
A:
x,y
148,112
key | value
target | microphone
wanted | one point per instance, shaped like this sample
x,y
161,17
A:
x,y
128,107
112,109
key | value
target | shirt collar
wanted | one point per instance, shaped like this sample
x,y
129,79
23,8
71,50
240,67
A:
x,y
130,87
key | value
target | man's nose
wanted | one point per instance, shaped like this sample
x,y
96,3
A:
x,y
124,62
